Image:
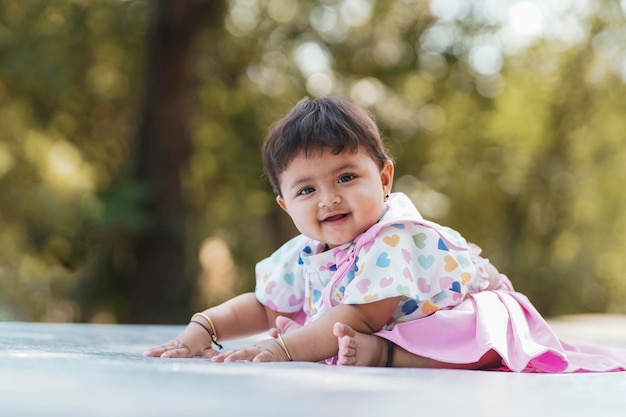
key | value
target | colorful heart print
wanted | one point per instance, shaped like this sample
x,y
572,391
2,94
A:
x,y
383,260
420,240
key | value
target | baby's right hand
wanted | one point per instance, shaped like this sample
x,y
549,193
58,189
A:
x,y
172,349
191,342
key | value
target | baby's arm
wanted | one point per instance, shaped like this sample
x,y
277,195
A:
x,y
316,341
240,316
494,277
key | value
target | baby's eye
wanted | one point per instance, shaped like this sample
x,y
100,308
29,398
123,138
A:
x,y
346,178
306,190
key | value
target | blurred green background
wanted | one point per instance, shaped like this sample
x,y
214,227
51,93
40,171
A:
x,y
131,187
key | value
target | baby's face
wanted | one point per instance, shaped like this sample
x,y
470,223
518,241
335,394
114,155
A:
x,y
334,198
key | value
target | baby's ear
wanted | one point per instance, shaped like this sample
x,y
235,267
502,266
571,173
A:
x,y
386,176
281,203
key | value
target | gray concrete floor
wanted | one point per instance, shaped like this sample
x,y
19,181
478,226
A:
x,y
97,370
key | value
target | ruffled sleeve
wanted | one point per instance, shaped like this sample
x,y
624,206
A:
x,y
414,262
279,278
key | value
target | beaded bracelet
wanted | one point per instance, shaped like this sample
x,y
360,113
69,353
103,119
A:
x,y
212,333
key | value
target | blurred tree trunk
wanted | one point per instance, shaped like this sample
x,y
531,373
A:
x,y
159,290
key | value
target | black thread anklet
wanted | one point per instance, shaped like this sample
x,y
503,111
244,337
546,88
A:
x,y
390,347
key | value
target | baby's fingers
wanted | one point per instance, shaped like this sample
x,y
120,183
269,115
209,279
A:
x,y
172,349
158,351
177,352
207,353
237,355
221,357
265,356
154,353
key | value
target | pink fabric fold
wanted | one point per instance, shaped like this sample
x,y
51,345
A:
x,y
505,321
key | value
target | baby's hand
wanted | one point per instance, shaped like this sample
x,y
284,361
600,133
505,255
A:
x,y
264,351
191,342
177,349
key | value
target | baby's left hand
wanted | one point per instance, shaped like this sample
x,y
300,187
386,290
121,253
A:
x,y
264,351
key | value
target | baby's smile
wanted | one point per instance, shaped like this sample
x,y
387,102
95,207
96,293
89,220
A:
x,y
334,218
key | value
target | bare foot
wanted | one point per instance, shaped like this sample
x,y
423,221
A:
x,y
359,349
283,325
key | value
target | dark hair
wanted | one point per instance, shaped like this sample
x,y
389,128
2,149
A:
x,y
317,124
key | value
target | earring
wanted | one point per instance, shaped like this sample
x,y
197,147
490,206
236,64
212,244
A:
x,y
386,197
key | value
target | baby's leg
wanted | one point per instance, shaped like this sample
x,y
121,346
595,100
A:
x,y
360,349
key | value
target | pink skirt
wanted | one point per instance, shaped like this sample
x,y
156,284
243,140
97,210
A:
x,y
504,321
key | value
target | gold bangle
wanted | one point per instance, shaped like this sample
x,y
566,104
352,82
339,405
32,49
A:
x,y
208,320
213,331
282,344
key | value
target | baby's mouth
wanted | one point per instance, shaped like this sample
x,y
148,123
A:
x,y
334,218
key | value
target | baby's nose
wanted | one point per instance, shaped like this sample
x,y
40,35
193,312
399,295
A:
x,y
329,198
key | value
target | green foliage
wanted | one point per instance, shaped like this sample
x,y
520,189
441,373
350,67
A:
x,y
525,160
67,101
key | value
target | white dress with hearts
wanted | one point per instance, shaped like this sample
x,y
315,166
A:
x,y
444,312
429,266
